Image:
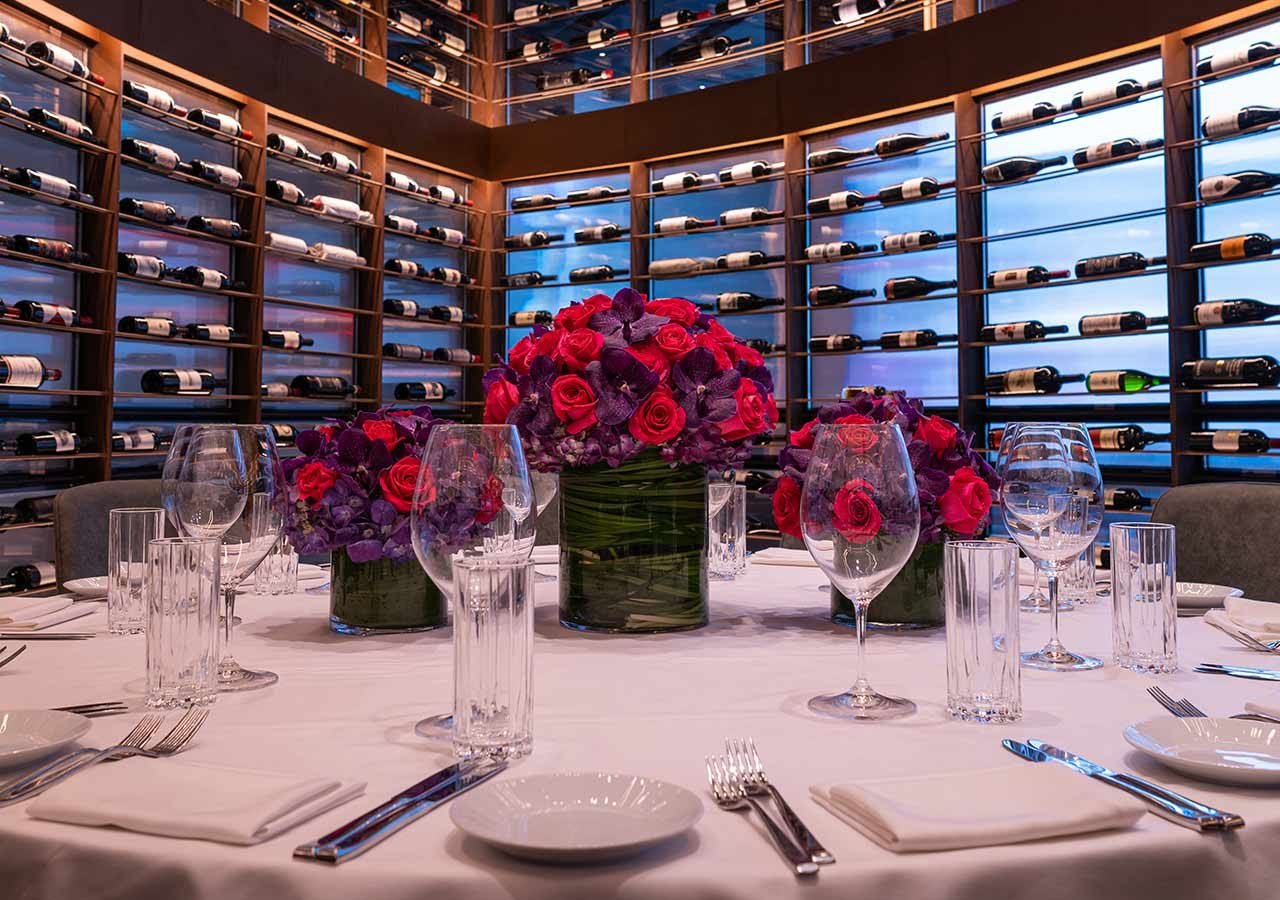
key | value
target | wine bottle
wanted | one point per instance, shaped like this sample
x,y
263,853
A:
x,y
1257,52
18,371
188,382
398,307
724,7
530,317
402,182
322,18
1018,168
763,345
405,267
1121,381
450,314
531,239
155,326
1125,438
680,265
48,248
45,55
340,162
748,214
912,189
527,279
752,480
339,208
596,273
285,339
30,576
745,301
285,192
532,12
140,265
151,210
677,224
1238,121
138,439
453,355
212,331
552,81
832,156
1236,184
920,337
910,241
1126,89
219,122
837,250
1124,499
743,259
333,253
274,390
906,287
48,443
436,72
595,234
215,173
713,47
286,243
451,237
1230,440
674,19
46,183
835,343
34,509
836,202
1034,380
906,142
1236,371
535,201
1242,246
60,123
830,294
422,391
321,387
1115,264
1233,312
597,37
741,173
48,313
1106,152
677,181
1017,332
285,434
1119,323
410,352
448,42
1025,276
289,146
1022,116
448,275
532,51
227,228
201,277
156,98
402,224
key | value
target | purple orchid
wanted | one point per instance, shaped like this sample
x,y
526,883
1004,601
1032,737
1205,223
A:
x,y
620,382
702,389
626,322
535,411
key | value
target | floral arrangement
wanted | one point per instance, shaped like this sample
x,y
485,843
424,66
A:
x,y
612,378
953,481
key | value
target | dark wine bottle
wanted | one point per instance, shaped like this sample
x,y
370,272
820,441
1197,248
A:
x,y
909,286
48,313
1018,168
34,509
451,314
711,48
1025,276
837,202
912,189
1236,184
1242,246
1107,152
201,277
744,172
832,156
763,345
327,387
155,326
1237,121
285,339
213,331
1125,438
532,51
531,239
1022,116
1126,89
1034,380
674,19
427,391
30,576
402,224
340,162
20,371
532,12
919,337
1121,381
405,267
1119,323
152,210
837,250
831,294
402,182
745,259
1114,264
48,248
191,382
156,98
142,266
595,234
1229,440
45,183
453,355
527,279
410,352
289,146
906,142
285,192
452,237
1257,52
220,122
910,241
533,201
530,317
1123,499
1017,332
48,443
1228,372
139,439
448,275
1234,312
274,390
215,173
835,343
45,55
677,224
725,7
227,228
596,273
575,77
748,214
60,123
744,301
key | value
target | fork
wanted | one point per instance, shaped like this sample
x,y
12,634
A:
x,y
746,766
146,727
93,710
728,793
11,657
1185,709
1249,640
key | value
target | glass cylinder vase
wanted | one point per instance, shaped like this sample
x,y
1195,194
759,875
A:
x,y
912,600
633,547
383,597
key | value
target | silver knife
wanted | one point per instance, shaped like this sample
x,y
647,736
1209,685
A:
x,y
52,636
360,834
1239,671
1163,802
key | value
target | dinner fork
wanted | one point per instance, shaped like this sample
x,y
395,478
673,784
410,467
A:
x,y
1248,640
746,766
143,730
1185,709
11,657
728,793
93,710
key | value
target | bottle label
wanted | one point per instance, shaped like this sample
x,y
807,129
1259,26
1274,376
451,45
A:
x,y
902,243
1008,277
1019,115
335,206
451,236
400,223
148,266
1109,494
598,37
138,440
909,338
56,314
1225,61
1222,124
52,184
455,313
842,200
846,12
275,389
739,260
155,326
223,175
457,354
46,572
1234,248
286,242
670,20
736,5
525,13
595,233
219,332
223,123
738,216
446,194
1105,324
24,371
1223,369
452,44
449,276
913,189
408,308
292,339
1227,440
710,49
742,171
1218,187
289,192
1098,152
209,278
1010,331
189,380
284,432
406,267
1210,313
403,182
288,145
157,97
531,50
1094,96
823,251
1105,381
835,341
1020,381
1099,265
63,441
729,302
1106,439
674,182
524,318
672,223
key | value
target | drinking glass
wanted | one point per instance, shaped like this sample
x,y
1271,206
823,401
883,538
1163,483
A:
x,y
860,517
1051,495
278,573
726,530
545,487
129,532
1144,628
223,483
492,657
1078,584
474,499
182,616
984,682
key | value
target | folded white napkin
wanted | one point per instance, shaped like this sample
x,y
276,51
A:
x,y
35,613
546,555
175,798
1267,706
782,556
1254,615
953,810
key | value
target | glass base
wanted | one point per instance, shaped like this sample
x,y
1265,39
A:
x,y
849,620
517,749
435,728
236,678
341,627
862,706
656,629
1059,659
984,710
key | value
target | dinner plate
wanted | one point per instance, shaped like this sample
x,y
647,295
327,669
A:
x,y
93,586
1198,595
27,735
573,817
308,572
1229,751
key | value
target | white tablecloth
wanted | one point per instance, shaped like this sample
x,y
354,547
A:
x,y
652,705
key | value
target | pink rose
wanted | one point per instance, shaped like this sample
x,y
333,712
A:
x,y
966,503
659,418
676,309
580,347
756,413
518,355
938,433
574,403
786,506
802,437
502,398
674,340
855,515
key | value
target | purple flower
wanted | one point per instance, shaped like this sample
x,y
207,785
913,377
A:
x,y
704,393
535,411
626,322
620,382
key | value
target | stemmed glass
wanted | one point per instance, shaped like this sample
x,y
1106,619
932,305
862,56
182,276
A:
x,y
1051,494
860,517
1036,600
220,481
474,497
545,486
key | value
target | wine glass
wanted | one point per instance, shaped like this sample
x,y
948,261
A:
x,y
474,497
220,481
1051,494
545,487
860,517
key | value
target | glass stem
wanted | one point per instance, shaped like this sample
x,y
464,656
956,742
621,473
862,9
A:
x,y
228,661
861,685
1052,580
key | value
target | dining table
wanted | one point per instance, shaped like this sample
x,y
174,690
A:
x,y
650,705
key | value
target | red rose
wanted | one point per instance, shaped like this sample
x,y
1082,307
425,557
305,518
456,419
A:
x,y
490,500
756,413
379,430
674,308
547,345
518,355
966,503
721,334
786,506
803,436
314,479
327,431
574,403
398,481
576,315
717,348
580,347
749,355
938,433
855,436
502,398
674,340
654,359
658,419
855,514
854,419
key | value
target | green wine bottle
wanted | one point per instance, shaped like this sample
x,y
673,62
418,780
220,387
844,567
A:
x,y
1122,381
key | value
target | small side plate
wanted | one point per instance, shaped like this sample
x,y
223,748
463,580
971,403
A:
x,y
1197,595
84,588
27,735
1227,751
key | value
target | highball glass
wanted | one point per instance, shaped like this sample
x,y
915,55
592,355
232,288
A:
x,y
726,530
129,532
183,596
278,572
1144,624
984,681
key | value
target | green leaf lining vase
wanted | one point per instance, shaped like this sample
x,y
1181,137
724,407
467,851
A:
x,y
912,600
633,547
383,597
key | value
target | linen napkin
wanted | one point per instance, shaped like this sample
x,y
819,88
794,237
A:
x,y
782,556
175,798
954,810
35,613
1254,615
1267,706
548,554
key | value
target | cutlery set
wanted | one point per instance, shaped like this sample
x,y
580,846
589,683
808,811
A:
x,y
1239,671
46,636
1247,640
1185,709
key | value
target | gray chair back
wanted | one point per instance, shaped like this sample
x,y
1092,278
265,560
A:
x,y
1226,534
80,523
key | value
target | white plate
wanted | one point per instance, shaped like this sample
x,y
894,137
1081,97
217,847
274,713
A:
x,y
573,817
308,572
1229,751
27,735
1197,595
93,586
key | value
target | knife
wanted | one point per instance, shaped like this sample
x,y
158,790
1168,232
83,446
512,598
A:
x,y
51,636
1239,671
1163,802
410,804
